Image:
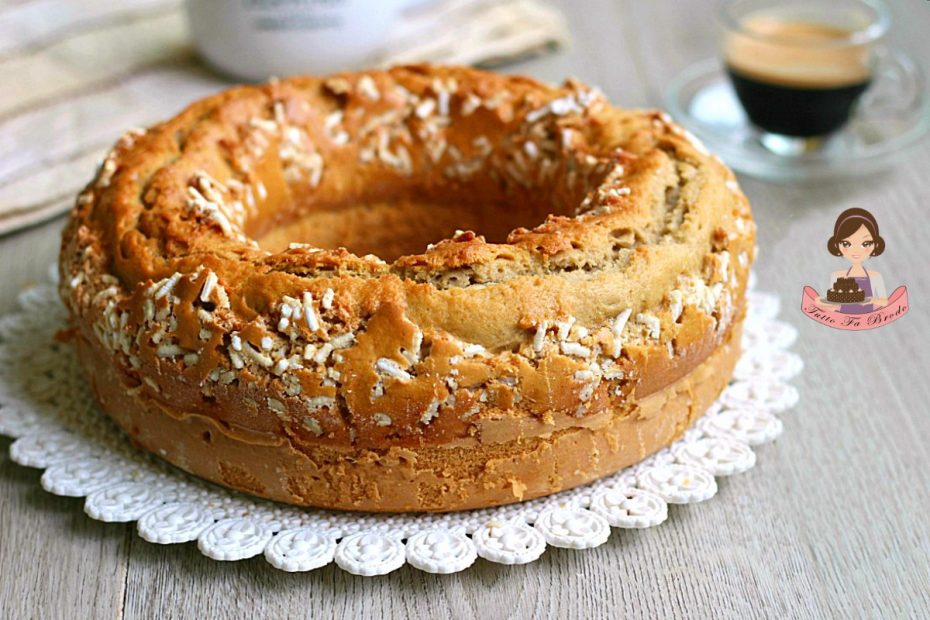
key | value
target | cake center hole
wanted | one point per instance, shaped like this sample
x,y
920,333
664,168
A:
x,y
398,226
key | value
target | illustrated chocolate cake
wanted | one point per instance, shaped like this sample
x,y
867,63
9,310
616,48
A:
x,y
846,291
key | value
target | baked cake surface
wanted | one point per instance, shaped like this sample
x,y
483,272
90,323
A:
x,y
590,317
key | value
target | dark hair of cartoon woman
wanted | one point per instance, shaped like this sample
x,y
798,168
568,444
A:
x,y
848,223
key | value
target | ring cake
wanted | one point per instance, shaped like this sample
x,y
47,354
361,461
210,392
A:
x,y
421,289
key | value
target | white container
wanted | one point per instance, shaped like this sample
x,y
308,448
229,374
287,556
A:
x,y
257,39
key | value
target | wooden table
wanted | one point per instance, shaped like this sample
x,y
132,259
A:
x,y
831,522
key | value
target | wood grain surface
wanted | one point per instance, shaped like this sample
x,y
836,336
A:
x,y
832,522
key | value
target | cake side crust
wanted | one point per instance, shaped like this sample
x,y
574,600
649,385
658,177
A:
x,y
428,478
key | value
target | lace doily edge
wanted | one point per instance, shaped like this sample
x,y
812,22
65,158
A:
x,y
121,489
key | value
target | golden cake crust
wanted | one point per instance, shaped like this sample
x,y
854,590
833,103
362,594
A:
x,y
437,379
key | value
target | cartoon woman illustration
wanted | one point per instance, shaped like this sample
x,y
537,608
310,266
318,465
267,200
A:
x,y
855,238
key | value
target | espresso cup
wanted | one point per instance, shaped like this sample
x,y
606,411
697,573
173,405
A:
x,y
799,67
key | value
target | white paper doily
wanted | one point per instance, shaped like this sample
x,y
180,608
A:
x,y
46,405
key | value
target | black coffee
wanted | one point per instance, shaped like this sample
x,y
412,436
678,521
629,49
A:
x,y
793,110
796,78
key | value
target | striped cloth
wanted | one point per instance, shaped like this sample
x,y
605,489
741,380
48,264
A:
x,y
76,74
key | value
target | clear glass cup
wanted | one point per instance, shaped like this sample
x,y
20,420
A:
x,y
800,67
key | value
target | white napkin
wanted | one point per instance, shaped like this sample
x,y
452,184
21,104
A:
x,y
476,32
77,73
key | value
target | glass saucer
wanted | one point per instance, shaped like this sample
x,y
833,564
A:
x,y
702,99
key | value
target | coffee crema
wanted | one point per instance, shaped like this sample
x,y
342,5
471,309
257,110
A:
x,y
796,78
